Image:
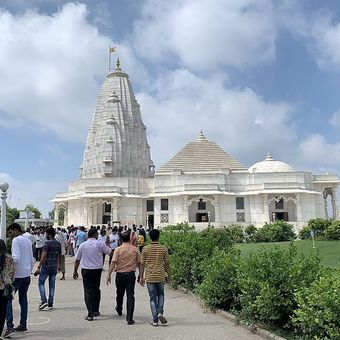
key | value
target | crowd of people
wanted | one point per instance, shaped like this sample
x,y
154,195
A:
x,y
128,255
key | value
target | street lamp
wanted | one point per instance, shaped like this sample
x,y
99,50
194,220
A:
x,y
4,187
209,218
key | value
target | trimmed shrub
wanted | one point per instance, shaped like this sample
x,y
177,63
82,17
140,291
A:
x,y
333,231
277,231
305,233
219,237
268,281
236,233
191,251
179,227
219,288
250,233
319,309
319,225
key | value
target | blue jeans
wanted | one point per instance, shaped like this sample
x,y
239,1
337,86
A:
x,y
156,294
51,274
21,285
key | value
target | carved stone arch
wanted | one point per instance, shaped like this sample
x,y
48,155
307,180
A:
x,y
328,192
210,199
278,198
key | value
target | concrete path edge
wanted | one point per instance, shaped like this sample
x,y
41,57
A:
x,y
231,317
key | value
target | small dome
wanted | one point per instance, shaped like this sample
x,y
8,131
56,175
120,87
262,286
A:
x,y
271,165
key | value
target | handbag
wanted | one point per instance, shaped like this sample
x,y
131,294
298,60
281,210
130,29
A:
x,y
8,291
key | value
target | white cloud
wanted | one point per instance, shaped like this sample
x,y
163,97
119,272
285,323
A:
x,y
239,120
326,35
315,150
50,69
335,119
206,35
37,193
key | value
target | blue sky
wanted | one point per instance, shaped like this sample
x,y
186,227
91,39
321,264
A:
x,y
256,76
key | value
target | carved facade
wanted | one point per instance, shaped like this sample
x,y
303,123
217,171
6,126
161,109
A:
x,y
201,184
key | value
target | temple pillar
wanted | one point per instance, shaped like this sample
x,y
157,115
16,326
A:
x,y
334,204
89,212
299,217
56,209
217,209
266,217
66,215
186,209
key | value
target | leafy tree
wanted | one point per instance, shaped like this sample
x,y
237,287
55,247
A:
x,y
11,215
51,214
34,210
61,215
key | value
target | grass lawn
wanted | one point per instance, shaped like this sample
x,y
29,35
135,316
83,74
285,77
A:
x,y
329,250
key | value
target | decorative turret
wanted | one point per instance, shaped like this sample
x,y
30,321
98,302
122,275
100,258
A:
x,y
116,143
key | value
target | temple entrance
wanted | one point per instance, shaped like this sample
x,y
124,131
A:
x,y
150,221
106,219
280,216
202,217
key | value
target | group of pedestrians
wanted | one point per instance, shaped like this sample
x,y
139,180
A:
x,y
127,255
16,272
152,264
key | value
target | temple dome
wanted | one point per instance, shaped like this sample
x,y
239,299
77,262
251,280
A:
x,y
201,155
271,165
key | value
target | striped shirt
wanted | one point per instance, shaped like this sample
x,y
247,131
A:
x,y
154,258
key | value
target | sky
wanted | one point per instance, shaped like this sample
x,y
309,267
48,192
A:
x,y
255,76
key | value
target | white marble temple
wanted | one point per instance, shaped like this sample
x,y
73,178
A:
x,y
201,184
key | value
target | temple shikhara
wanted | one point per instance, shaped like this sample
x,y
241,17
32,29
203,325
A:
x,y
201,184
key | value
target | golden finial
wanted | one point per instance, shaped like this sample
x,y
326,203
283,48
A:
x,y
118,64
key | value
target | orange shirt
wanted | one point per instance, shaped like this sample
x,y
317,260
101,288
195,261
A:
x,y
126,258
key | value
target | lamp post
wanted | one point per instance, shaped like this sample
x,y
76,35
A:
x,y
209,218
4,187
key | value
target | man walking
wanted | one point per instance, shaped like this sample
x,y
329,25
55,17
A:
x,y
61,237
155,263
126,259
48,266
113,240
23,259
90,257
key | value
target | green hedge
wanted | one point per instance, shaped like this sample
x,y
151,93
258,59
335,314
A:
x,y
268,281
191,251
219,288
319,309
277,231
273,287
333,231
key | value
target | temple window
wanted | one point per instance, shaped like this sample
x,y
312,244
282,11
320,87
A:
x,y
202,205
239,203
164,204
149,205
107,207
279,204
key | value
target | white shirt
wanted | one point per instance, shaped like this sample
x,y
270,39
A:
x,y
61,239
23,256
114,238
40,241
29,236
90,253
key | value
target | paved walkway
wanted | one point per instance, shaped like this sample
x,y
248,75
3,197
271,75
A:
x,y
186,319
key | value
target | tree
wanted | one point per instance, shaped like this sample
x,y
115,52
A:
x,y
61,215
11,215
34,210
51,214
